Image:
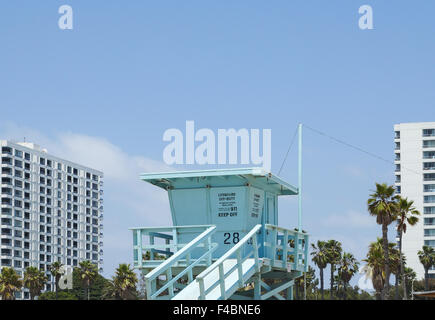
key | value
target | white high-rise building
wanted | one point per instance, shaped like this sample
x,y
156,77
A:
x,y
51,210
415,180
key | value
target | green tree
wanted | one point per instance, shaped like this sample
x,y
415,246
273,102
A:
x,y
34,280
347,268
407,215
61,295
10,283
87,273
96,289
56,272
395,267
409,276
333,256
375,267
383,205
320,258
427,259
123,284
312,282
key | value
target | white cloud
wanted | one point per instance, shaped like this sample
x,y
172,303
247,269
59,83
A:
x,y
351,219
354,171
128,202
365,284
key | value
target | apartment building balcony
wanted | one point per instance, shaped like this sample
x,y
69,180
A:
x,y
7,161
6,222
6,151
429,144
6,181
7,172
6,191
6,232
428,133
6,262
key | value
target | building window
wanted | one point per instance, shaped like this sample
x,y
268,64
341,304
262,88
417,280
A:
x,y
429,232
428,143
429,166
429,210
7,150
429,199
428,132
430,243
428,154
429,188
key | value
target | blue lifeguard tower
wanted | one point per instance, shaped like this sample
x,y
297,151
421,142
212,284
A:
x,y
225,242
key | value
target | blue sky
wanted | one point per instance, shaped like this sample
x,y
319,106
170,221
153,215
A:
x,y
130,70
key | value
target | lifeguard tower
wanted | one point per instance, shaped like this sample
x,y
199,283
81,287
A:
x,y
225,242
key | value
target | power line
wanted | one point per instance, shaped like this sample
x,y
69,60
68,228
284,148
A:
x,y
288,150
357,148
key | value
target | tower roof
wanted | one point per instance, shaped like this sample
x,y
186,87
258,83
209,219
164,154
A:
x,y
256,177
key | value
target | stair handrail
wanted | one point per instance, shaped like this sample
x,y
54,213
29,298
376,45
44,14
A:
x,y
165,267
219,264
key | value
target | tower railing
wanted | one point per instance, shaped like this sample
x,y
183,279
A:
x,y
154,244
286,248
184,254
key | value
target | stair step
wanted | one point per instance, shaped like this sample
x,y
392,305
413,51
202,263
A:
x,y
191,292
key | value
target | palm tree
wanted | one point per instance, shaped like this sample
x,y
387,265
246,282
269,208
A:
x,y
427,259
408,215
56,272
375,267
87,273
410,276
383,205
395,265
320,258
9,283
334,256
123,284
311,282
34,280
348,266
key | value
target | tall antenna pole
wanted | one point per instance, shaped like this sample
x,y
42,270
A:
x,y
300,179
300,200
